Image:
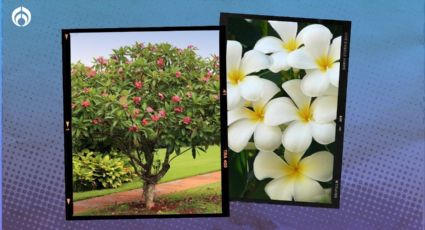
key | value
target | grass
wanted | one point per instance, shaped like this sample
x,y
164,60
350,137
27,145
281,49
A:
x,y
201,200
181,167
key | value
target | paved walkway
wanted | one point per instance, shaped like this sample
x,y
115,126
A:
x,y
136,194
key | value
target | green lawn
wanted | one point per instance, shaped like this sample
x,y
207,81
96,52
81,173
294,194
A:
x,y
201,200
181,167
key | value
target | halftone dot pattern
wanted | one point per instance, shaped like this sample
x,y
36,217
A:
x,y
382,178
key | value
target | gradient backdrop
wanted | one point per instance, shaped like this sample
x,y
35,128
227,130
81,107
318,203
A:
x,y
383,163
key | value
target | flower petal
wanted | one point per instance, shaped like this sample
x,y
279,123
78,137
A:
x,y
281,188
279,111
268,91
267,138
331,91
297,137
278,62
239,134
286,30
335,50
333,74
234,98
269,44
315,83
237,114
254,61
269,165
301,59
293,89
324,109
251,88
233,55
307,190
292,158
318,166
316,39
323,133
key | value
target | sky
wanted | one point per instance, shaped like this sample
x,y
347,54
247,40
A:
x,y
85,46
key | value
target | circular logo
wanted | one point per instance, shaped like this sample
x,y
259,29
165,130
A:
x,y
21,16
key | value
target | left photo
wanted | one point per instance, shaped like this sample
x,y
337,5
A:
x,y
143,123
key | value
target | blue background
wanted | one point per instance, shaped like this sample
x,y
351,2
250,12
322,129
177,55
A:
x,y
383,163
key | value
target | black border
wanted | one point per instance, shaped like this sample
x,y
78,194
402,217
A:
x,y
342,92
66,53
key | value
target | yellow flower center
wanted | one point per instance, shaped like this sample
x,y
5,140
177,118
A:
x,y
324,62
305,114
257,114
291,45
235,76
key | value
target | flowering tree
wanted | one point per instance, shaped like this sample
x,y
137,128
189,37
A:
x,y
282,106
143,98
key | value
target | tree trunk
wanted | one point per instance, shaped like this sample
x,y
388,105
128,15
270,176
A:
x,y
149,195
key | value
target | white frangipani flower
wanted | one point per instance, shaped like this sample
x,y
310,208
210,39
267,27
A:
x,y
320,59
244,122
295,178
241,85
306,120
288,42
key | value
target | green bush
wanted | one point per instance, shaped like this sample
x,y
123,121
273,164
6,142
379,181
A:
x,y
92,170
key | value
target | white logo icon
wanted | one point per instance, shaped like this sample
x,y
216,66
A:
x,y
21,16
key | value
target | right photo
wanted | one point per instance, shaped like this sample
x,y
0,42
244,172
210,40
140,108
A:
x,y
286,88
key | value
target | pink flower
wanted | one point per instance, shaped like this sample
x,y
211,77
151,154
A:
x,y
125,106
133,128
206,79
161,96
85,103
189,94
138,84
149,109
137,100
155,117
178,109
178,74
162,113
95,121
187,120
160,62
145,122
176,98
102,60
136,112
86,90
190,46
209,74
91,73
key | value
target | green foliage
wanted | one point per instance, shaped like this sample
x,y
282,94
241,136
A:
x,y
95,171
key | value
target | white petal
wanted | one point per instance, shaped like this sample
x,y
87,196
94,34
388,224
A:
x,y
297,137
233,55
237,114
251,88
301,59
318,166
268,91
234,98
331,91
335,50
292,158
269,165
333,74
324,109
307,190
279,111
316,39
269,44
323,133
278,62
286,30
239,134
267,138
315,83
254,61
281,188
293,89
